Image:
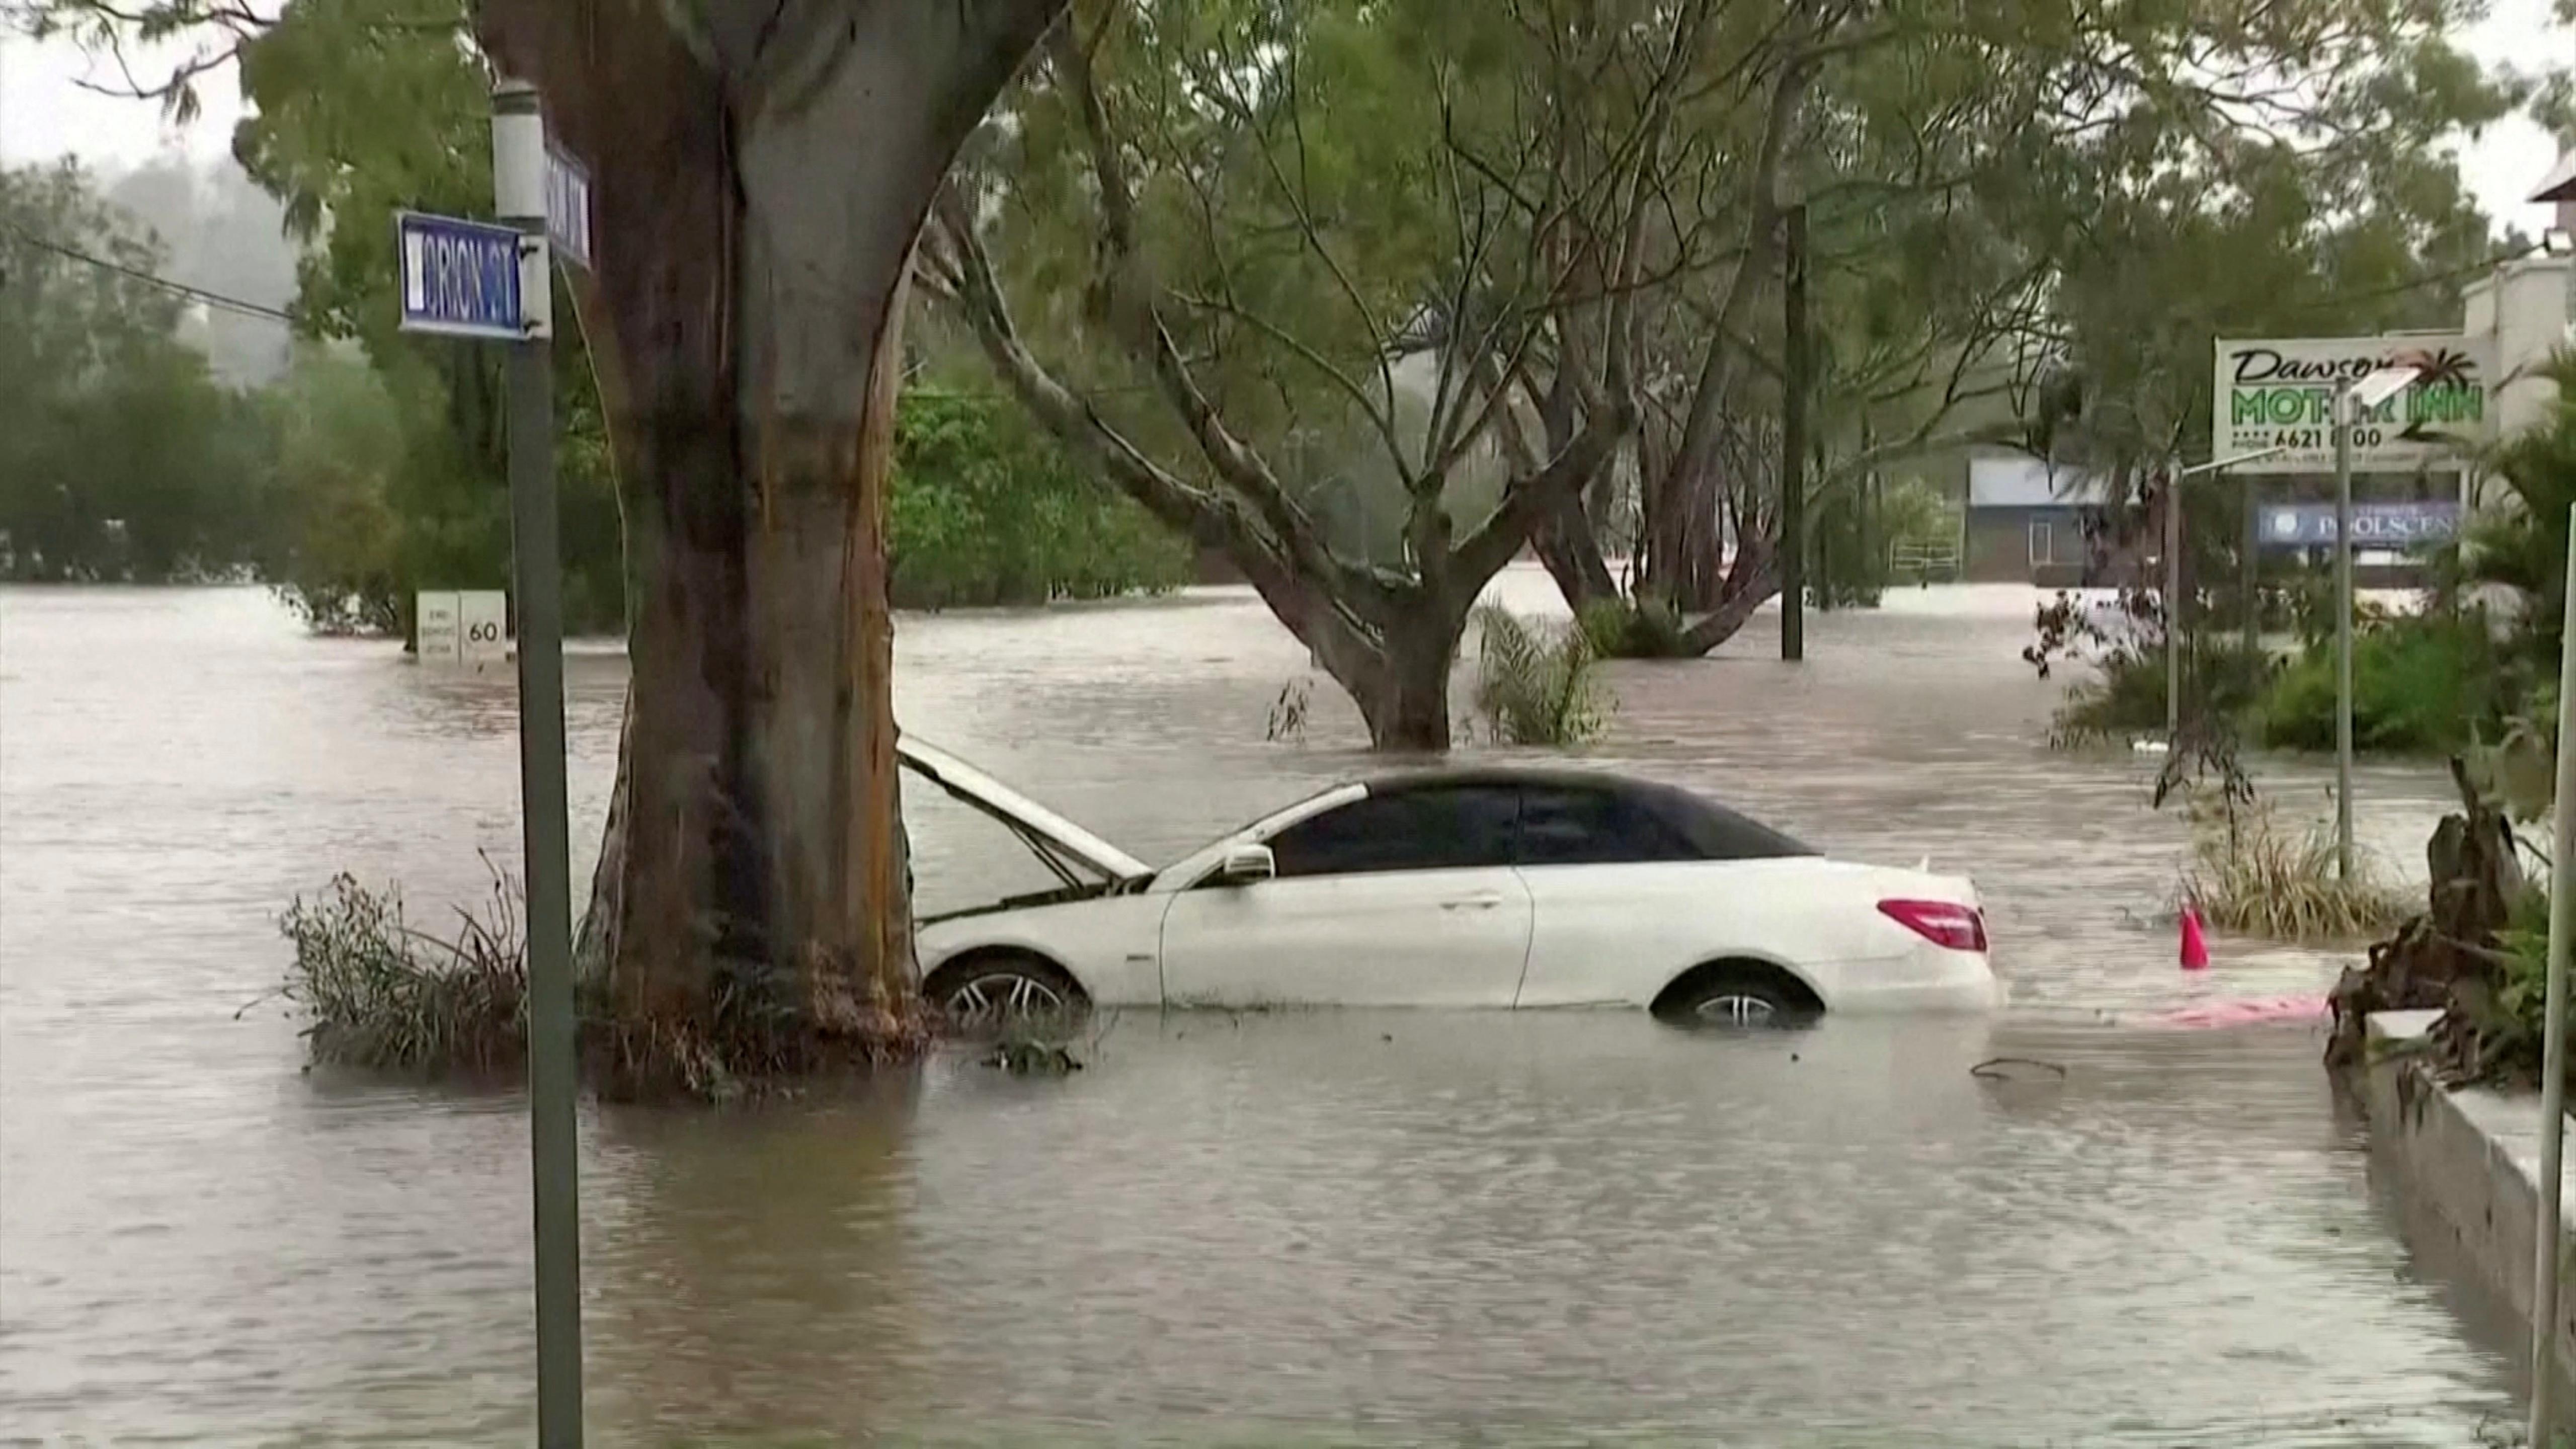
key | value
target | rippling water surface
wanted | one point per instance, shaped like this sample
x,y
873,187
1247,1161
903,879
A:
x,y
1309,1228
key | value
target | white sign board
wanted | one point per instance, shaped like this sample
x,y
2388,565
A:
x,y
568,206
434,628
482,618
2280,394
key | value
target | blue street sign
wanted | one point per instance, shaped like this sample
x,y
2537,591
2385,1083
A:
x,y
2374,525
568,205
459,278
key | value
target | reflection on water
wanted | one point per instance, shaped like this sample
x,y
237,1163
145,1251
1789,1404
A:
x,y
1321,1227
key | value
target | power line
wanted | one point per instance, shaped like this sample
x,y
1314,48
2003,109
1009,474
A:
x,y
176,288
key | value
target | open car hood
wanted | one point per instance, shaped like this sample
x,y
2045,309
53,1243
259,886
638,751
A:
x,y
1062,845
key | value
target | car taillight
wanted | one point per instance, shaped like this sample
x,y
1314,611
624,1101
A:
x,y
1943,923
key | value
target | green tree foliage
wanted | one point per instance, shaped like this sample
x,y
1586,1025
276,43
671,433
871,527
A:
x,y
361,108
2337,210
1263,265
120,458
392,473
2520,545
985,509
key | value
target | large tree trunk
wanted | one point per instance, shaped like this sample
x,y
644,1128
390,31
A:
x,y
1394,666
1570,546
1405,696
759,181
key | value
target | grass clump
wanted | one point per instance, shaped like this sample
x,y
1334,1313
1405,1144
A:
x,y
1536,685
380,993
2254,876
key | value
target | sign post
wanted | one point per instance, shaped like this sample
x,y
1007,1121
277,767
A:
x,y
2277,396
482,628
1793,433
2343,430
2399,404
475,279
437,637
519,192
462,278
568,206
2356,401
2396,527
2553,1044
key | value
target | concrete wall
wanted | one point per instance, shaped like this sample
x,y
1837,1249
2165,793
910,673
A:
x,y
2466,1162
2522,312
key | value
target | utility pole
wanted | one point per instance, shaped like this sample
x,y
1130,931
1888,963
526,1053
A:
x,y
1793,435
519,191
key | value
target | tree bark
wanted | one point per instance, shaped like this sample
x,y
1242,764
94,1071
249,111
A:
x,y
1406,700
1570,547
760,174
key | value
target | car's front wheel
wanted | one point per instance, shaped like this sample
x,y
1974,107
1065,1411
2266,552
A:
x,y
996,986
1738,996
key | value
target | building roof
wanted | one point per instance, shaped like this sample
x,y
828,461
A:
x,y
2018,480
2560,184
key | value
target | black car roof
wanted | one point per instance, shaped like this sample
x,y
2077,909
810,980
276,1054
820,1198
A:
x,y
1720,832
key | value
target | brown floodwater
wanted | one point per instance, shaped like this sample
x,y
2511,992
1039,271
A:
x,y
1300,1228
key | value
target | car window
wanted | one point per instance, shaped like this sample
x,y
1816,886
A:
x,y
1570,825
1433,828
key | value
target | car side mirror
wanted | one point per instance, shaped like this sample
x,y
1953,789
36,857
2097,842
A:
x,y
1246,865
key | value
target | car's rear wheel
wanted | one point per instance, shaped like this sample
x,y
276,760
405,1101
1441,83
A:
x,y
1003,985
1739,995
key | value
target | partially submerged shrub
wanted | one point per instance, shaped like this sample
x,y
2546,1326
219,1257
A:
x,y
2421,684
2254,876
1633,628
1535,684
378,992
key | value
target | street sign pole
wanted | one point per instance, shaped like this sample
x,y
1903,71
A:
x,y
2249,573
2343,400
2173,609
1793,434
2553,1043
519,185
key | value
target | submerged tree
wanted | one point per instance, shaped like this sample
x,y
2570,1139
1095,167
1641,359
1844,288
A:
x,y
1234,230
760,172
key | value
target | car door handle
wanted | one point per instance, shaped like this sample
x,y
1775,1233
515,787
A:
x,y
1472,903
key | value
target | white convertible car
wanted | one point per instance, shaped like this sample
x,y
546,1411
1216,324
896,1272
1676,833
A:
x,y
1484,886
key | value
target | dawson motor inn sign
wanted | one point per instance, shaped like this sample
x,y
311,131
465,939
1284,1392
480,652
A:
x,y
2280,394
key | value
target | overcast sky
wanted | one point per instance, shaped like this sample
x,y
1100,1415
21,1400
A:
x,y
44,113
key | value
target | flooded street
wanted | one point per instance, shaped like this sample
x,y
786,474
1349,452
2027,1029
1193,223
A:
x,y
1308,1228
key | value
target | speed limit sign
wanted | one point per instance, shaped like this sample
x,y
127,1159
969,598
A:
x,y
482,620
